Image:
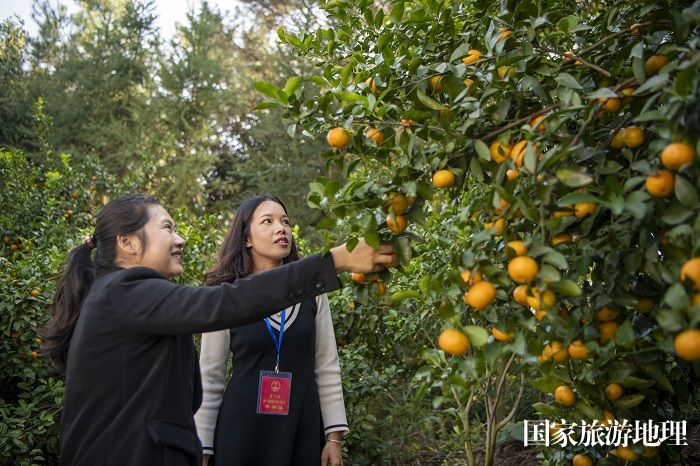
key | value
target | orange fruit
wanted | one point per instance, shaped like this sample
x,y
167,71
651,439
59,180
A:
x,y
635,29
613,391
546,354
36,292
523,269
582,460
608,418
660,184
375,135
407,122
397,226
582,209
624,453
398,203
558,352
338,138
690,270
633,137
473,55
453,341
687,344
607,330
606,314
677,154
520,294
512,174
372,85
612,105
480,295
504,33
363,279
505,71
500,336
649,452
645,305
515,248
499,152
35,355
443,178
618,139
561,238
540,314
498,226
468,82
436,83
541,300
535,123
696,299
564,396
381,288
654,63
471,278
577,350
562,213
518,153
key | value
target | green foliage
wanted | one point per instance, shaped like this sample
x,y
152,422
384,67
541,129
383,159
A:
x,y
400,70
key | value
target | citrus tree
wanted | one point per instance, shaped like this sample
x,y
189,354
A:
x,y
539,159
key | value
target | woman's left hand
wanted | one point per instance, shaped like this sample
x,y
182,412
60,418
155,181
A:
x,y
332,454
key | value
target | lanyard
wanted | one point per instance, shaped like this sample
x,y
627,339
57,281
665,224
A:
x,y
277,342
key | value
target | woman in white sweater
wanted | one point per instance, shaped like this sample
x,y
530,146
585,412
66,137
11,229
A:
x,y
285,393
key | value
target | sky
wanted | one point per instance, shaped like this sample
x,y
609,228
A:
x,y
168,11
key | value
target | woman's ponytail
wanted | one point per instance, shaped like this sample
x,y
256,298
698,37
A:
x,y
73,285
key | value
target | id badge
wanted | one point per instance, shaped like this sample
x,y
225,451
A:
x,y
274,389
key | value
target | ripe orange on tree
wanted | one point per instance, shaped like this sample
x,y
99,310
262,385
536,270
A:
x,y
606,314
470,278
607,330
499,152
687,344
473,55
535,123
690,270
612,105
520,294
397,226
381,288
581,209
504,33
561,238
564,396
654,63
36,292
398,203
512,174
480,295
500,336
518,152
523,269
338,138
375,135
660,184
581,460
436,83
372,86
577,350
624,453
541,299
633,137
498,226
613,391
515,248
453,341
677,154
443,178
558,352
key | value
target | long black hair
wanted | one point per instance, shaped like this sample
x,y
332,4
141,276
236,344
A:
x,y
235,259
122,216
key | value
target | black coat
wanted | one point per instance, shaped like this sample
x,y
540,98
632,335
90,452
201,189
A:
x,y
132,379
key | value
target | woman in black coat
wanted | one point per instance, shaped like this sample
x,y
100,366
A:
x,y
122,333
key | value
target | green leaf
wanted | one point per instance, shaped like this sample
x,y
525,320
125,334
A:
x,y
676,214
566,80
566,288
676,297
429,102
628,402
653,84
685,192
482,149
477,335
397,13
636,382
270,90
404,294
546,410
459,52
372,238
573,178
291,85
574,198
345,73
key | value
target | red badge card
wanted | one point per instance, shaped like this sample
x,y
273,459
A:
x,y
273,393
